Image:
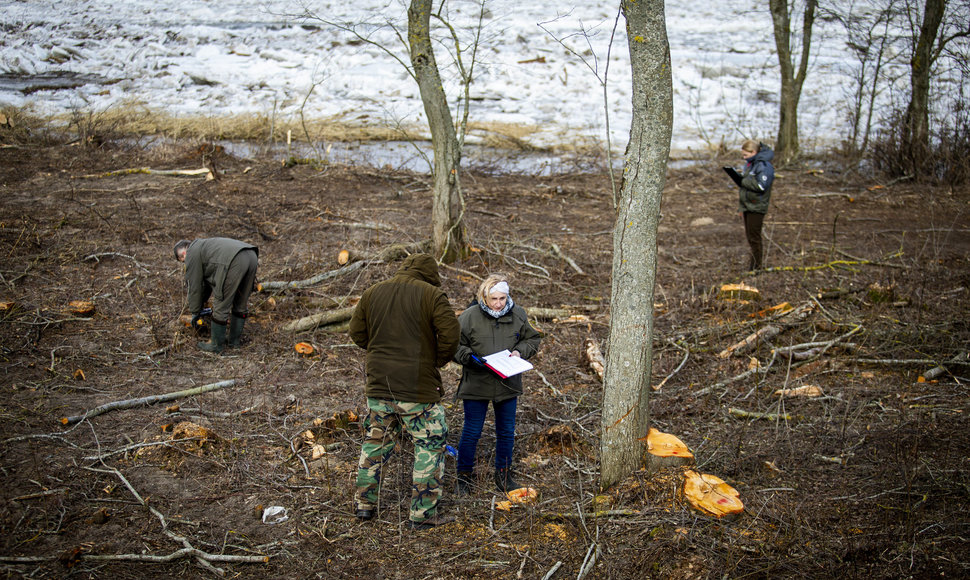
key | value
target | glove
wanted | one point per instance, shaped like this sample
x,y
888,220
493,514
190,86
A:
x,y
197,318
476,362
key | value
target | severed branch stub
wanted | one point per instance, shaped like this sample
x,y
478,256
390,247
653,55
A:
x,y
312,281
145,401
594,358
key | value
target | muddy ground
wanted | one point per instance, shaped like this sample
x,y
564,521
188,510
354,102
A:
x,y
867,479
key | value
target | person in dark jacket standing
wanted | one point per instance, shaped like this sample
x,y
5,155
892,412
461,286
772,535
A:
x,y
409,330
494,323
754,194
224,269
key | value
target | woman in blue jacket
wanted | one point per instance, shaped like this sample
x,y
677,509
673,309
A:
x,y
753,195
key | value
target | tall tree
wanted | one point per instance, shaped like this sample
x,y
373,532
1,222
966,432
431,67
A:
x,y
626,413
447,213
787,146
447,224
916,132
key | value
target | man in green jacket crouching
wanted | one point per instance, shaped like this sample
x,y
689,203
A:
x,y
226,270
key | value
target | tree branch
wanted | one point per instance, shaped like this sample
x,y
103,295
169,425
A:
x,y
145,401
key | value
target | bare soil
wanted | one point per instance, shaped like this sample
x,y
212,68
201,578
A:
x,y
868,480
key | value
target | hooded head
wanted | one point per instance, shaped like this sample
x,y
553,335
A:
x,y
423,267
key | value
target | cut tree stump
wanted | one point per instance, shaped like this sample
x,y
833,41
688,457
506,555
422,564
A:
x,y
711,495
666,450
739,292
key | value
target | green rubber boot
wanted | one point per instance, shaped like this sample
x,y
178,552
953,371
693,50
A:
x,y
217,338
236,325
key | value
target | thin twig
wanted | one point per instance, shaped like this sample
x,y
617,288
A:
x,y
680,366
97,258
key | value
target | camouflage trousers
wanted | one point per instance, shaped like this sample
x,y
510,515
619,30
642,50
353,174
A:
x,y
427,426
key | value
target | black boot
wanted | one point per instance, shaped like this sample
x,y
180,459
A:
x,y
236,325
464,483
217,338
504,481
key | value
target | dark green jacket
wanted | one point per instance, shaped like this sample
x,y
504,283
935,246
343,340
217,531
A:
x,y
206,263
485,335
409,330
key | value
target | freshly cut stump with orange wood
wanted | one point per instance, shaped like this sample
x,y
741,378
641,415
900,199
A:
x,y
81,307
711,495
666,450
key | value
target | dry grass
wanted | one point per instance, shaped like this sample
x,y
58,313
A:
x,y
137,119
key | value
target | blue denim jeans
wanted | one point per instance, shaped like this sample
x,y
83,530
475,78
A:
x,y
471,432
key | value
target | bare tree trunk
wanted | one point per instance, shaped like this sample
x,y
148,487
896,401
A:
x,y
787,146
916,133
626,412
447,224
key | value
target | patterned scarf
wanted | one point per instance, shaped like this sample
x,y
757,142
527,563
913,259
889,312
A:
x,y
497,313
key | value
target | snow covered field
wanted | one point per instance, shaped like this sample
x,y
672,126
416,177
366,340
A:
x,y
227,57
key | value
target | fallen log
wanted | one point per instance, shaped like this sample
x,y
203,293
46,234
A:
x,y
742,414
145,401
809,350
336,328
201,172
333,318
388,254
939,370
844,264
321,319
312,281
551,313
762,334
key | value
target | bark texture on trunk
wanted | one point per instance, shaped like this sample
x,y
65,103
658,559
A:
x,y
447,225
626,386
792,80
916,132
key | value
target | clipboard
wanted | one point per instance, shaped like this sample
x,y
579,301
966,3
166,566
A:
x,y
733,173
505,365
